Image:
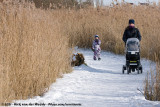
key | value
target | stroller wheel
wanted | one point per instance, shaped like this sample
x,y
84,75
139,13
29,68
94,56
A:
x,y
128,70
123,69
138,71
141,70
133,70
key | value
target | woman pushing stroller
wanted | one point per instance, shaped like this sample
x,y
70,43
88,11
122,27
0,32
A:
x,y
131,32
131,37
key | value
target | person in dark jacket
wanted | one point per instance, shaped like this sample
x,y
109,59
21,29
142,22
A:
x,y
131,31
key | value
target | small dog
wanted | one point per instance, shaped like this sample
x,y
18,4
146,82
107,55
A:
x,y
77,59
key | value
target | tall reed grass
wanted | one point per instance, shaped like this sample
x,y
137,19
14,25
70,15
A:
x,y
109,23
152,85
152,82
35,42
33,52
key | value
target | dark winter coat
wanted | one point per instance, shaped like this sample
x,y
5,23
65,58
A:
x,y
131,33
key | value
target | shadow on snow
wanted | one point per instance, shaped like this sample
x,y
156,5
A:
x,y
90,69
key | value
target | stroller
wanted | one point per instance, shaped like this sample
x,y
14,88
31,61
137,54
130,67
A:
x,y
132,56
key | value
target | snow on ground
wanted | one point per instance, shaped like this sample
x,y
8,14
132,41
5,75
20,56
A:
x,y
100,84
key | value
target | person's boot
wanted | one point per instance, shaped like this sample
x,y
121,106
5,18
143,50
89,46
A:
x,y
94,58
99,59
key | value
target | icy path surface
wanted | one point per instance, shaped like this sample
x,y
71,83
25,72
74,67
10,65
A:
x,y
100,84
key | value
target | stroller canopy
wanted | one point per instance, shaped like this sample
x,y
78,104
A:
x,y
132,44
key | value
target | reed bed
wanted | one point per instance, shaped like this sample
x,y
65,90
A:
x,y
109,23
152,84
33,52
34,43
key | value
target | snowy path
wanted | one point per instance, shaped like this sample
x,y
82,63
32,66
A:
x,y
101,84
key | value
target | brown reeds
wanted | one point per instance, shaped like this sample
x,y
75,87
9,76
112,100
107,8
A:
x,y
33,52
152,83
34,42
109,23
